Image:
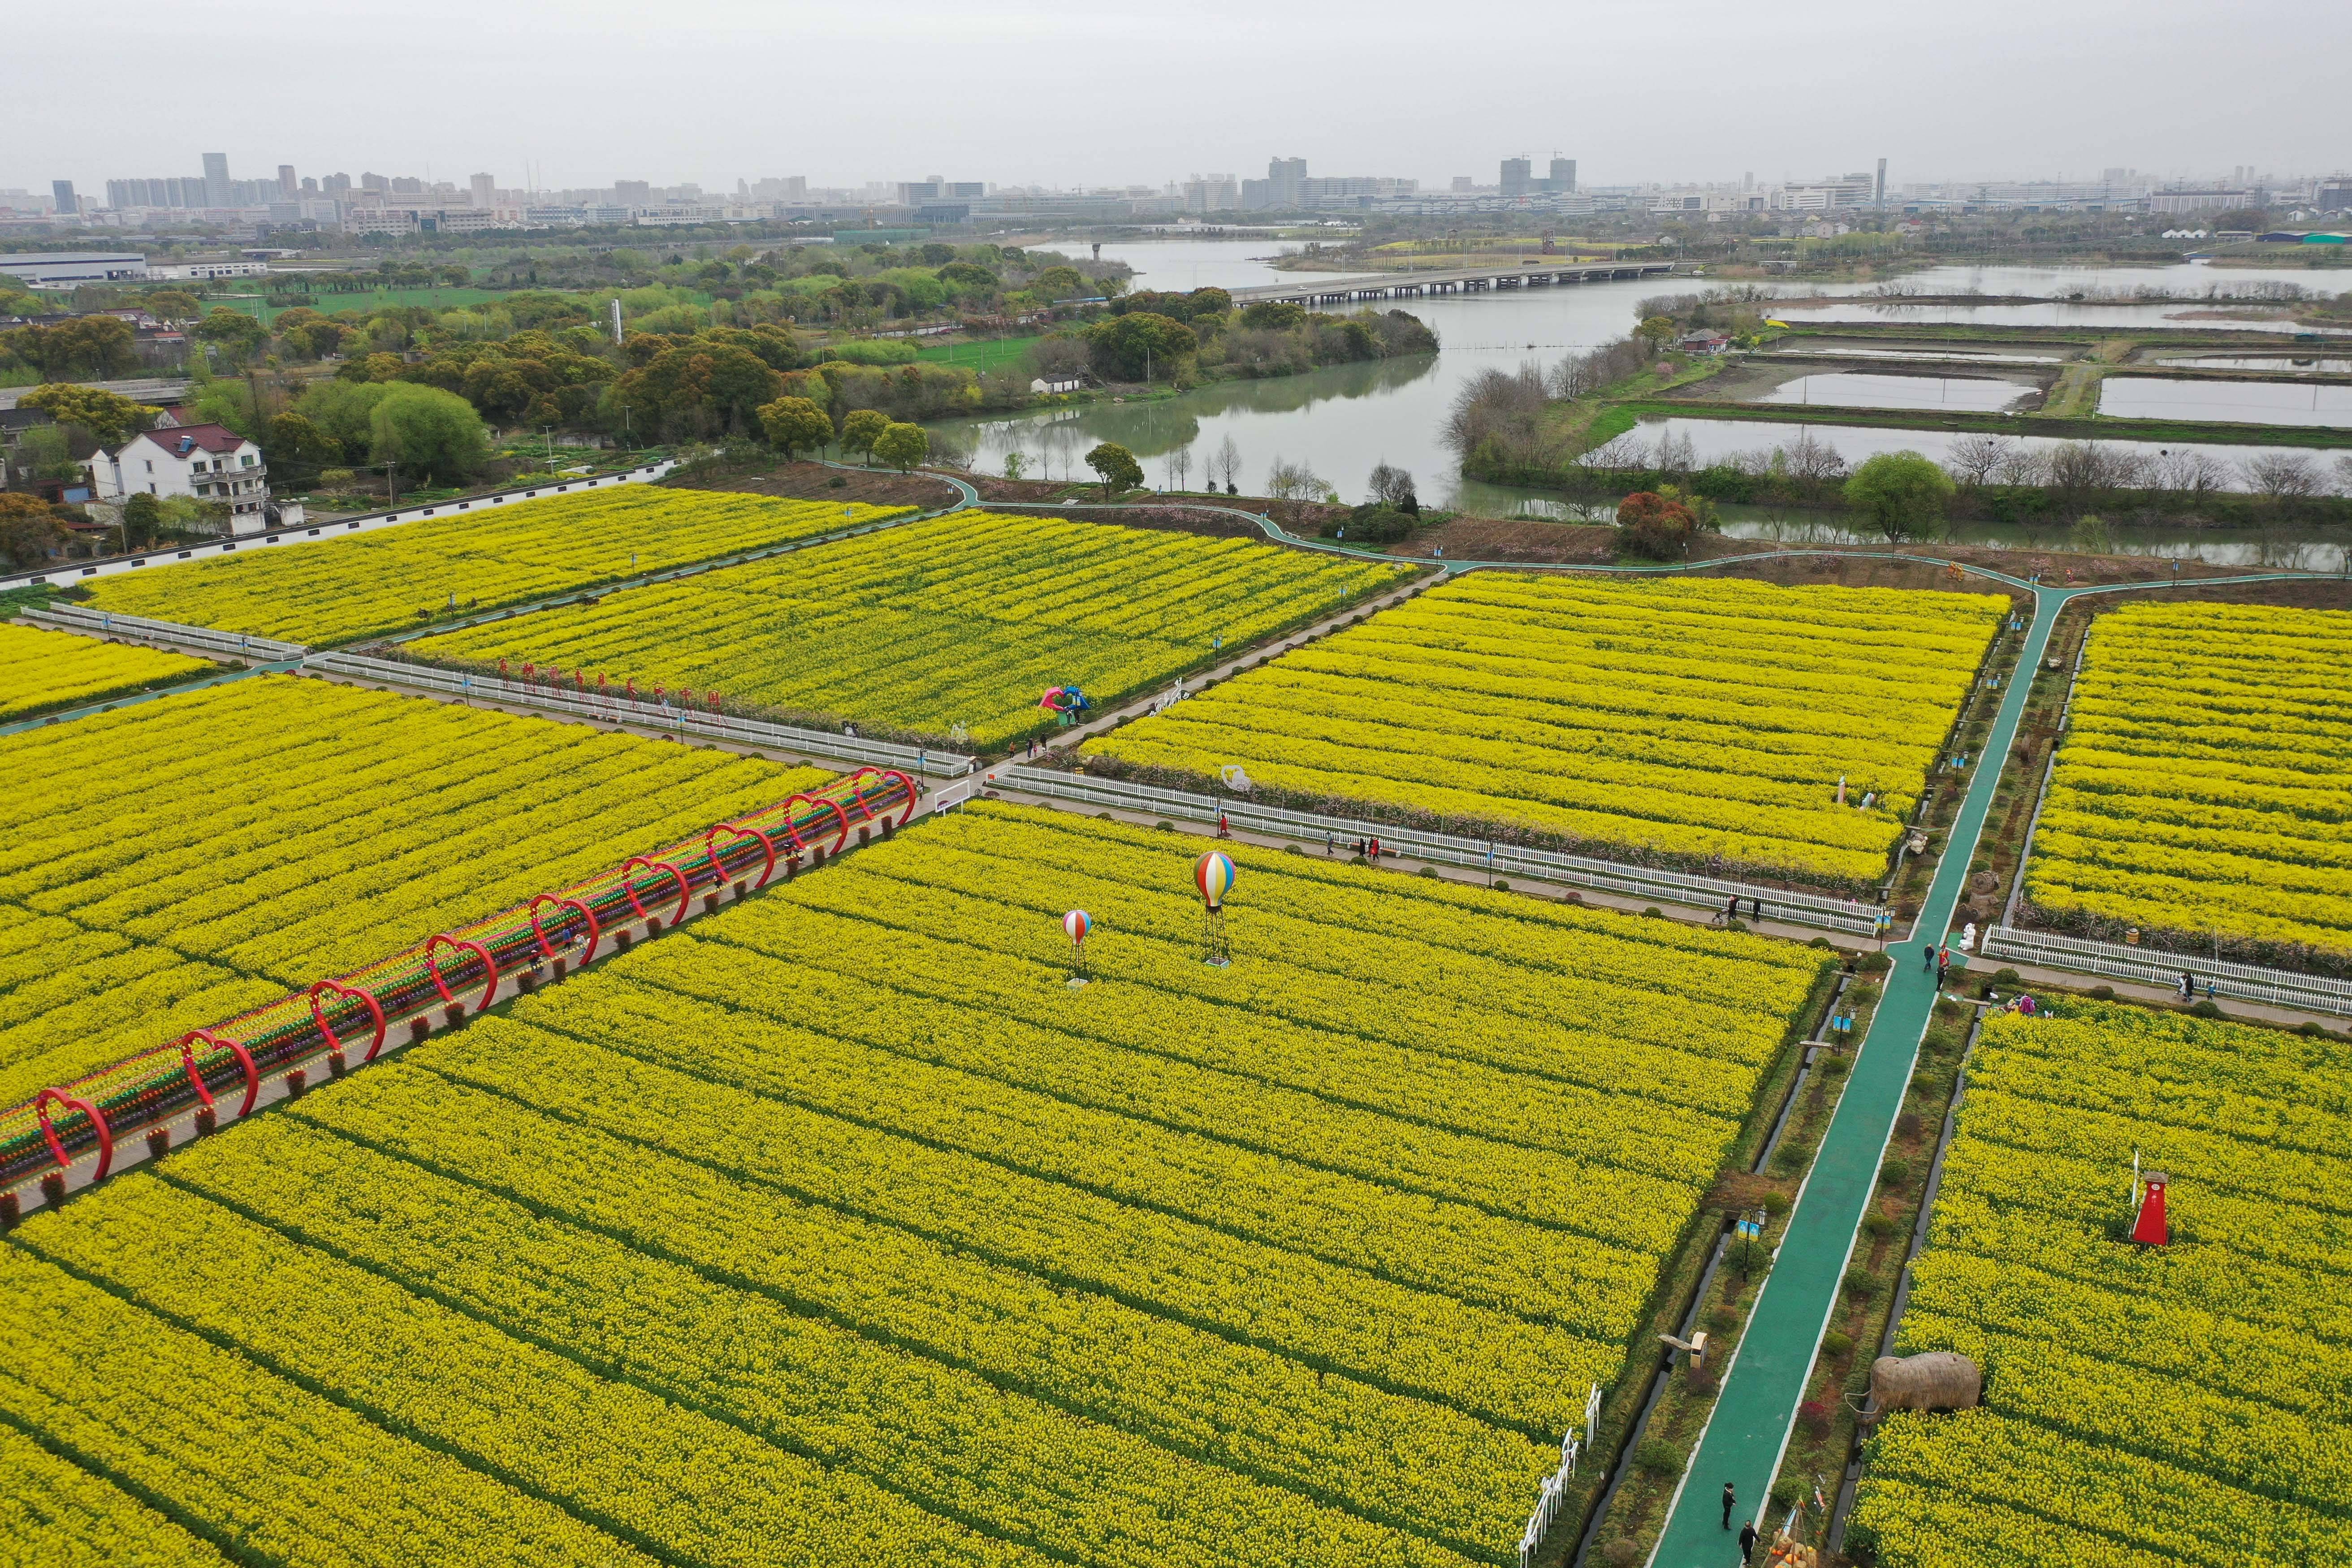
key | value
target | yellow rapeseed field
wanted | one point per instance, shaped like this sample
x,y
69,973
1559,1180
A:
x,y
837,1228
480,557
41,672
2204,786
168,866
2180,1405
1709,720
964,620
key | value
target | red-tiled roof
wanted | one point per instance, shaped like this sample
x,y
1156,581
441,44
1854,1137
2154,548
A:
x,y
188,437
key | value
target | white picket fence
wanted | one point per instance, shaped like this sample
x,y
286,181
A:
x,y
2154,966
613,708
139,628
1554,1484
1820,911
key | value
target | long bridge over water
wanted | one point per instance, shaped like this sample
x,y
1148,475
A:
x,y
1536,274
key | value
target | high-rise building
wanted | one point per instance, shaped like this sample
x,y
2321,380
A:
x,y
633,193
1283,177
1879,198
68,204
381,184
1563,175
1463,183
1516,172
485,190
216,190
337,185
287,185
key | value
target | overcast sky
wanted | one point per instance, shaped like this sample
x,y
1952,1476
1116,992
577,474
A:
x,y
1074,92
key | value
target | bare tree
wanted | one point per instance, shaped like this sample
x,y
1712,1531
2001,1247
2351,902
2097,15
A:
x,y
2281,476
1293,481
1225,464
1626,452
1392,486
1677,454
2344,476
1180,468
1502,406
1811,460
2022,466
1974,458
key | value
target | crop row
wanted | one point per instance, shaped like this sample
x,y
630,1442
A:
x,y
677,1481
2205,784
964,621
1616,713
2084,1500
1499,1368
1567,942
765,1043
145,909
42,670
285,1473
945,1438
1411,1464
55,1512
2184,1403
400,577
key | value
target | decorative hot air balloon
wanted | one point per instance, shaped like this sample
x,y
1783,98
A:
x,y
1213,873
1077,922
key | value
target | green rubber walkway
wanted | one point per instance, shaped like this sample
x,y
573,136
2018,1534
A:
x,y
1749,1428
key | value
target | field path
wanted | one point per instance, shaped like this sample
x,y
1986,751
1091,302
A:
x,y
1748,1430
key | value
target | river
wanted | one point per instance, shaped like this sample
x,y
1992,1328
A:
x,y
1342,421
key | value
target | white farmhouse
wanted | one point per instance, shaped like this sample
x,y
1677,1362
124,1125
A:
x,y
210,462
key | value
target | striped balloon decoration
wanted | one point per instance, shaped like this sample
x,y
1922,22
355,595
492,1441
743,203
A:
x,y
1213,873
1077,922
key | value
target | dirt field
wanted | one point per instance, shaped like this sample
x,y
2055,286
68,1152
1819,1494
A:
x,y
1537,542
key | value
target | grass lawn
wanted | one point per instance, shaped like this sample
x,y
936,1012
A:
x,y
985,354
328,303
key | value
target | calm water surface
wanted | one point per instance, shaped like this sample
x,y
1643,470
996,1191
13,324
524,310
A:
x,y
1977,393
1342,421
2238,402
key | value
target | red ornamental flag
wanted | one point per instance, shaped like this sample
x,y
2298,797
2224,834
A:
x,y
714,701
502,669
632,689
530,672
2152,1230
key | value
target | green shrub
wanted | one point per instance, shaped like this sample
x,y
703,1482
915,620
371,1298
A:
x,y
1876,1224
2207,1008
1659,1458
1837,1343
1894,1172
1861,1285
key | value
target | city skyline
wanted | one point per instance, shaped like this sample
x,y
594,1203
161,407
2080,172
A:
x,y
2144,87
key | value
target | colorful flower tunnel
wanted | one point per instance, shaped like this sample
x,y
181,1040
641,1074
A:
x,y
152,1088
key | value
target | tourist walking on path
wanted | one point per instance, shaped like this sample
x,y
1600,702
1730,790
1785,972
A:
x,y
2188,988
1930,951
1730,1501
1746,1542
